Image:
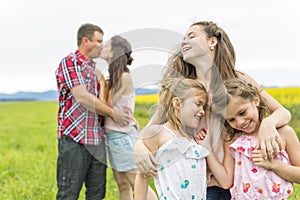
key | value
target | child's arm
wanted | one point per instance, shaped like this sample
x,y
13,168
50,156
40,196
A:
x,y
140,187
223,173
144,160
214,182
151,138
285,171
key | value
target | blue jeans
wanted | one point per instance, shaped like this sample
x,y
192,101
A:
x,y
217,193
75,166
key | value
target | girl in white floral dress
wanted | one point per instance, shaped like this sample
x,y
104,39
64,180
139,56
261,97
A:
x,y
182,170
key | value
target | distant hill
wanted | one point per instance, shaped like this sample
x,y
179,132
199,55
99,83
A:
x,y
143,91
52,95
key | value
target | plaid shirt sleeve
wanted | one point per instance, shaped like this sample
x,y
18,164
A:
x,y
71,72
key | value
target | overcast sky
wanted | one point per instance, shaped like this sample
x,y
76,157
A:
x,y
36,35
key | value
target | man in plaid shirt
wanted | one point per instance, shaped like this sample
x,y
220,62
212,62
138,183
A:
x,y
80,135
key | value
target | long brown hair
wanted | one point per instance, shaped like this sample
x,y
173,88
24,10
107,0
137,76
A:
x,y
121,49
178,68
224,52
247,91
224,59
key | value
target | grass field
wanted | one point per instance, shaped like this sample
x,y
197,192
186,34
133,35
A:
x,y
28,151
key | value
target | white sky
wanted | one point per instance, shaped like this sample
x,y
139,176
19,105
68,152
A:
x,y
37,34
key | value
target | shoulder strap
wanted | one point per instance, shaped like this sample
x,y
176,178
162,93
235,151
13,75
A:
x,y
170,131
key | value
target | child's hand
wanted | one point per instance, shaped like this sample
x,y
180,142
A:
x,y
258,159
200,136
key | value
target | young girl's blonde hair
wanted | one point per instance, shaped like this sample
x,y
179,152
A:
x,y
182,89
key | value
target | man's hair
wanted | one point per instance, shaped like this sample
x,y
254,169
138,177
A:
x,y
87,30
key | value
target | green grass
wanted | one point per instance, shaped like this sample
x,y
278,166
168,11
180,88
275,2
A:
x,y
28,150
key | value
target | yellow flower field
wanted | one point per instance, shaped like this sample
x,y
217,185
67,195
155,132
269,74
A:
x,y
286,96
147,99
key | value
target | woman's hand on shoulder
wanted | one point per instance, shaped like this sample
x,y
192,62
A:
x,y
269,140
143,156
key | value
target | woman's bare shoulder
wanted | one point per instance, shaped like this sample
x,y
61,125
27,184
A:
x,y
126,76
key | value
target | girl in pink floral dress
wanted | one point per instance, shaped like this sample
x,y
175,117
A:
x,y
244,170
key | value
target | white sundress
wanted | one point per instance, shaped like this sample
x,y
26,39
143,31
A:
x,y
182,170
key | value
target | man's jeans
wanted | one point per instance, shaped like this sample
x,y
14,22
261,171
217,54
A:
x,y
75,166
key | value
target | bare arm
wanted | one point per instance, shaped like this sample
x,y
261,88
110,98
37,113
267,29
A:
x,y
145,146
90,101
285,171
144,159
223,172
93,104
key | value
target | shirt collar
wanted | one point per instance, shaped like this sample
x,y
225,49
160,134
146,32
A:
x,y
91,63
80,56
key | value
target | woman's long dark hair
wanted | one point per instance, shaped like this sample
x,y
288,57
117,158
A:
x,y
121,58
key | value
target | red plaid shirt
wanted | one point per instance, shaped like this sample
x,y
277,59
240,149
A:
x,y
74,120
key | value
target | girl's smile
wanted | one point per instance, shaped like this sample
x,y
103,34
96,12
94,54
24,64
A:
x,y
243,115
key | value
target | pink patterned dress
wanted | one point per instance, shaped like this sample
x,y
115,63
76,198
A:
x,y
253,182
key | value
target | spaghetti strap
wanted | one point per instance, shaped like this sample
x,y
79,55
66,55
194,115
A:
x,y
170,131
